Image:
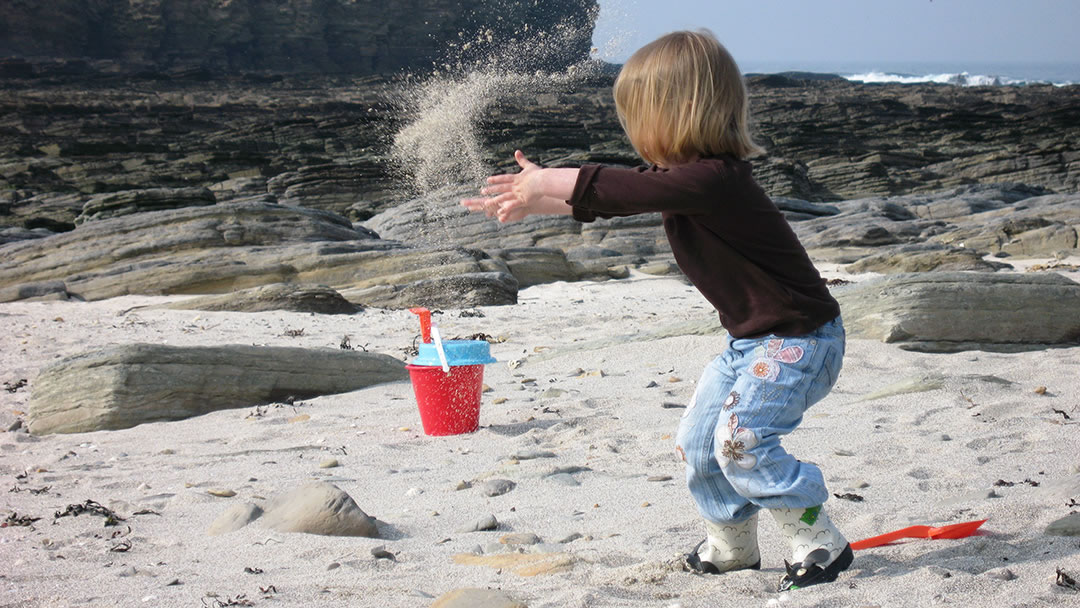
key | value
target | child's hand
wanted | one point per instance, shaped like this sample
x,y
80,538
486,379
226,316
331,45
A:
x,y
519,195
511,191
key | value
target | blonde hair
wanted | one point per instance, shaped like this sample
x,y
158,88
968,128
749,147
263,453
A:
x,y
681,97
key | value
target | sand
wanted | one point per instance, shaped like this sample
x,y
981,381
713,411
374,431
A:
x,y
580,375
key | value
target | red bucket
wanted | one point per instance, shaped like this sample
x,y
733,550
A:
x,y
449,401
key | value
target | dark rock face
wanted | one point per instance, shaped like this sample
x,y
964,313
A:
x,y
324,36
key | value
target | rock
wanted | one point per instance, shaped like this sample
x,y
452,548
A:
x,y
234,518
532,454
235,36
35,292
522,538
1066,526
950,312
564,479
281,296
123,386
488,522
522,564
536,265
492,487
924,257
318,508
125,202
231,246
1001,574
457,291
12,234
476,598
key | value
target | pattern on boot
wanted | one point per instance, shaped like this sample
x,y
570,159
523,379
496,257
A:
x,y
819,551
727,547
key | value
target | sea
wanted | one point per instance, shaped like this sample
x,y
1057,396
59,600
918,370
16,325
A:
x,y
960,74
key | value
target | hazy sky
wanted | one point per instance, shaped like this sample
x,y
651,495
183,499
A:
x,y
951,31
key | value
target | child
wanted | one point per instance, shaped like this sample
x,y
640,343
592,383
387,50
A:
x,y
683,104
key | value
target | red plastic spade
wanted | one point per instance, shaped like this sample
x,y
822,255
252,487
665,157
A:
x,y
425,322
951,531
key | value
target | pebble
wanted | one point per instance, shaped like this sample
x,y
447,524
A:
x,y
532,454
843,452
497,487
520,538
1001,574
488,522
499,400
413,492
652,384
571,538
333,566
658,478
1066,526
221,492
462,485
329,463
565,479
380,552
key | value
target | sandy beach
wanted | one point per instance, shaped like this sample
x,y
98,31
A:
x,y
582,409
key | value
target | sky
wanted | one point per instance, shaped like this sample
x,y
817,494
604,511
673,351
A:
x,y
804,32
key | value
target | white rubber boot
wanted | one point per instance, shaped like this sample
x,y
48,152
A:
x,y
819,551
727,547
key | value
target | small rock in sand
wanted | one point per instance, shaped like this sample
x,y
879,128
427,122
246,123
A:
x,y
564,479
532,454
1066,526
488,522
234,518
319,508
1001,574
329,463
521,538
497,487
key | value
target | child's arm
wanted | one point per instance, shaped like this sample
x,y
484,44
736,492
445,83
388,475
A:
x,y
532,191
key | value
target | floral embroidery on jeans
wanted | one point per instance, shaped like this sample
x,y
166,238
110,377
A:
x,y
731,401
775,350
735,450
766,369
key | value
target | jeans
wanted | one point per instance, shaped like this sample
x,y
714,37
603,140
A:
x,y
750,395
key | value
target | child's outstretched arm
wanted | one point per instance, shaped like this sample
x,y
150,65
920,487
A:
x,y
532,191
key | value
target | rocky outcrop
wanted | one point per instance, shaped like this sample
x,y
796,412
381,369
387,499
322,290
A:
x,y
354,36
435,253
235,246
127,202
318,299
949,312
322,142
123,386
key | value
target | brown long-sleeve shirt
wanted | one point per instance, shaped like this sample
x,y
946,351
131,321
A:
x,y
728,237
